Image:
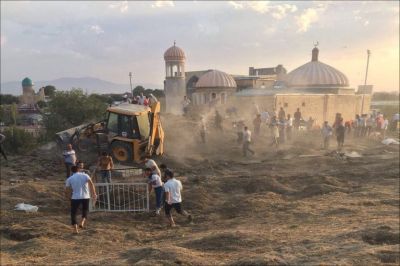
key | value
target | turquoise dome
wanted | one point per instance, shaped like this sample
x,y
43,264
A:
x,y
27,82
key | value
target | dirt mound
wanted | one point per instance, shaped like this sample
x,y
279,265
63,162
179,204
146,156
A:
x,y
317,190
265,260
381,235
164,256
389,256
228,241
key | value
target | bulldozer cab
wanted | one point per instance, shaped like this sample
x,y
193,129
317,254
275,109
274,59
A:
x,y
127,126
132,131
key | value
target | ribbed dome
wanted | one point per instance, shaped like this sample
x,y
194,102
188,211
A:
x,y
27,82
174,53
216,79
316,74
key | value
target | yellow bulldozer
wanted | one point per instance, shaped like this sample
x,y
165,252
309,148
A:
x,y
129,132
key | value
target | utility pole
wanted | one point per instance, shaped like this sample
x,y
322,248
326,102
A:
x,y
366,71
130,81
365,82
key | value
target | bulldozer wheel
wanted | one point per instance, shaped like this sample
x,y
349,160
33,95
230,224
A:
x,y
122,152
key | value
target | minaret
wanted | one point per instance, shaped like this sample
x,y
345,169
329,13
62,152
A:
x,y
174,85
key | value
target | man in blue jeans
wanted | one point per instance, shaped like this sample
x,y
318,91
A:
x,y
155,183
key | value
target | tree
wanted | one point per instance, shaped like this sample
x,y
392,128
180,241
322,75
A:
x,y
50,90
8,99
72,108
42,104
14,113
138,90
18,141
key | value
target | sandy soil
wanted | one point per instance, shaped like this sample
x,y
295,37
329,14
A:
x,y
298,205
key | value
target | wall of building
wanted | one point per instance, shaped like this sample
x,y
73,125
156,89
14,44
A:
x,y
175,90
320,107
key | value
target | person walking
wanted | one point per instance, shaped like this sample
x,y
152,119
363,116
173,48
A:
x,y
289,127
2,139
281,114
218,121
340,132
297,118
69,159
106,164
274,132
79,188
326,132
203,130
257,125
247,142
154,182
173,198
185,105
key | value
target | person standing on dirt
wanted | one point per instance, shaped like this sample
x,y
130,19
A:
x,y
149,163
281,114
340,132
326,132
69,159
106,164
289,127
257,125
173,198
274,131
185,105
297,118
163,168
247,142
154,182
2,139
203,130
218,121
79,188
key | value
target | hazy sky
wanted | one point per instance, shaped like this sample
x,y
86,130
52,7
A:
x,y
48,40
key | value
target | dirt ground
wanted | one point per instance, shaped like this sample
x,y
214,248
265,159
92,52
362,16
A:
x,y
296,205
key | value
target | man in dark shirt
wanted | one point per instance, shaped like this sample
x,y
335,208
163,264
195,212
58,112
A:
x,y
297,118
340,131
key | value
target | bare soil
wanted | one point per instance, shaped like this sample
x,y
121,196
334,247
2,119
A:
x,y
298,205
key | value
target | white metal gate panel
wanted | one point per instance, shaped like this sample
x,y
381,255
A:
x,y
121,197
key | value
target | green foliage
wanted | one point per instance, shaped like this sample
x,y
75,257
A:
x,y
140,89
42,104
14,113
72,108
50,90
18,141
8,99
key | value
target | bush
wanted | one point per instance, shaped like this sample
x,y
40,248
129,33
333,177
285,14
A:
x,y
18,141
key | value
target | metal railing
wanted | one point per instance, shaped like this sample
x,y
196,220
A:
x,y
121,197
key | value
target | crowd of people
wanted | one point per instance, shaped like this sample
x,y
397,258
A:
x,y
79,186
282,126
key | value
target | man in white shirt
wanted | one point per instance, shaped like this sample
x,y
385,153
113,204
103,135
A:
x,y
247,141
77,189
69,159
173,197
154,182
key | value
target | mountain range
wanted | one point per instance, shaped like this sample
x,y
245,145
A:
x,y
88,84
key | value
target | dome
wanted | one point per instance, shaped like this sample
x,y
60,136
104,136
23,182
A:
x,y
174,53
27,82
316,74
216,79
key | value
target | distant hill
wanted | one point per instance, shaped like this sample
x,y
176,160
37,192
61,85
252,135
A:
x,y
89,84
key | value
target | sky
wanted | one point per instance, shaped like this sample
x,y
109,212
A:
x,y
107,40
